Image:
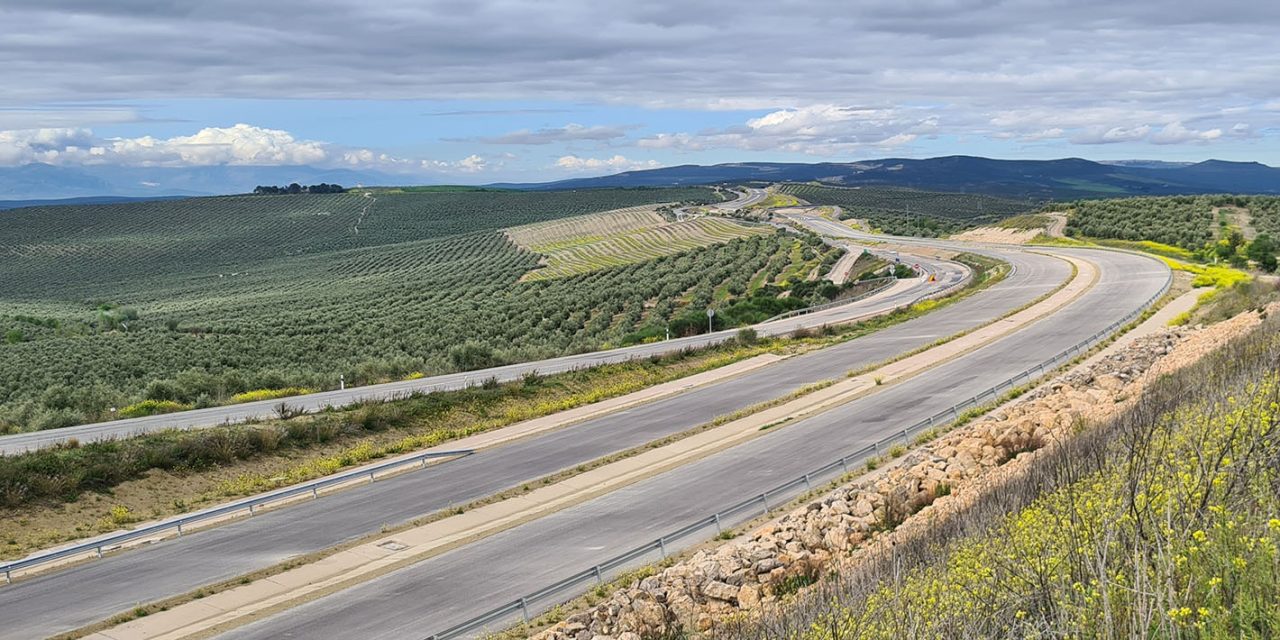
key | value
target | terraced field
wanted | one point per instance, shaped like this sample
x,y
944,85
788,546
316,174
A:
x,y
587,243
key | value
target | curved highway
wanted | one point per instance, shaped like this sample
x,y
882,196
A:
x,y
62,600
948,273
453,587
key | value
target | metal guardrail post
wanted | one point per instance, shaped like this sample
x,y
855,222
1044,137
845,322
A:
x,y
599,575
524,607
662,547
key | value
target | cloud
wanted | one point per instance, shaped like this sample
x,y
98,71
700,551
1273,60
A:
x,y
1091,71
241,144
615,164
491,112
1110,135
568,133
1171,133
823,129
1176,133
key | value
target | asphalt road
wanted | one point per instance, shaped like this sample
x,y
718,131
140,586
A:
x,y
750,196
437,593
949,273
67,599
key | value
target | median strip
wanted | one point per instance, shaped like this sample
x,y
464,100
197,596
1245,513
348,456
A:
x,y
364,562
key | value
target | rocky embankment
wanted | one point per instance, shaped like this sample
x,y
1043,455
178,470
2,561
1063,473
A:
x,y
786,554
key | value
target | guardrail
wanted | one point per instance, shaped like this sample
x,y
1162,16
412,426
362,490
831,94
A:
x,y
886,280
250,504
763,503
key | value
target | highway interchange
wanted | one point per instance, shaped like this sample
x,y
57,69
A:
x,y
452,587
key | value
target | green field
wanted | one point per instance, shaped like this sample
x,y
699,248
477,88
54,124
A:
x,y
586,243
194,301
910,212
1215,228
1183,221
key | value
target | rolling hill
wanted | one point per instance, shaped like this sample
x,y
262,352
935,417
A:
x,y
1068,178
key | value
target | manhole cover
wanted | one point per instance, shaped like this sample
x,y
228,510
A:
x,y
393,545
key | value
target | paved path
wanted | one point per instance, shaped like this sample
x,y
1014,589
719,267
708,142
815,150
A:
x,y
68,599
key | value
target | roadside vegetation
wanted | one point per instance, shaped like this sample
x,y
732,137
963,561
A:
x,y
908,212
1162,523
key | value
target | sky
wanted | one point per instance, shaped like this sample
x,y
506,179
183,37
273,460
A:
x,y
511,90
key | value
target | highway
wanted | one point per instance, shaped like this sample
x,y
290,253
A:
x,y
67,599
448,589
949,273
750,196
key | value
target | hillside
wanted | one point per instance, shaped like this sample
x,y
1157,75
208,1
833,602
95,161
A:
x,y
1225,228
193,301
908,211
1037,180
586,243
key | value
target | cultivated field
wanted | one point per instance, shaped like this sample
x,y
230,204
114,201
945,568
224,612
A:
x,y
1189,222
911,212
586,243
189,303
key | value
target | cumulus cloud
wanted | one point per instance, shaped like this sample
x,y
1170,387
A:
x,y
616,163
1171,133
822,129
241,144
568,133
1176,132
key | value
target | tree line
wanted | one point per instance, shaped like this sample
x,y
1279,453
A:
x,y
295,188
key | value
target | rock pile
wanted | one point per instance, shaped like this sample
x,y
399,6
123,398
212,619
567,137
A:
x,y
787,554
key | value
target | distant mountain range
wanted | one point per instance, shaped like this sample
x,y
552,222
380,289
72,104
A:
x,y
1023,179
46,182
